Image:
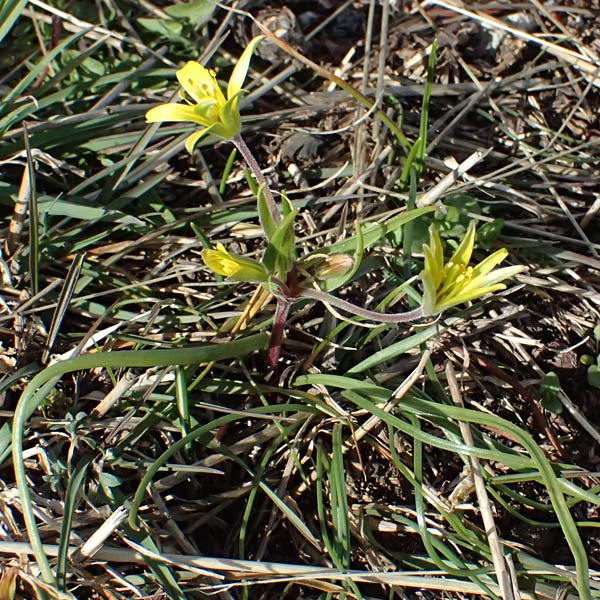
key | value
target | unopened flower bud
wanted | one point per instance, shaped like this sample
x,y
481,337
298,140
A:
x,y
335,265
235,267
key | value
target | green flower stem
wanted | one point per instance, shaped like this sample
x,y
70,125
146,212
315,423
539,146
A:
x,y
243,149
38,388
406,317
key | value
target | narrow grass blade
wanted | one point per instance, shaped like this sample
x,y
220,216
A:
x,y
45,381
183,403
71,497
9,13
373,232
31,76
34,224
63,302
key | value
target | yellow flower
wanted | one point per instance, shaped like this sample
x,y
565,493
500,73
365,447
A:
x,y
208,107
446,285
233,266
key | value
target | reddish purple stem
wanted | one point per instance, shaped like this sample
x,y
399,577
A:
x,y
281,312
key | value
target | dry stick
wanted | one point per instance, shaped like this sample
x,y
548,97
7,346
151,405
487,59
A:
x,y
360,135
122,386
325,74
451,178
235,570
19,212
398,394
319,296
383,53
504,581
96,541
574,58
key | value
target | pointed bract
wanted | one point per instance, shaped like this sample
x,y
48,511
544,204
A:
x,y
193,139
238,75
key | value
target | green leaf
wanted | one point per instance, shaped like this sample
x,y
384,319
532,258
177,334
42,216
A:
x,y
488,233
79,209
587,359
171,30
279,255
593,375
196,12
9,13
286,205
292,517
71,499
251,182
33,73
94,66
373,232
402,347
109,480
264,214
376,393
5,435
549,391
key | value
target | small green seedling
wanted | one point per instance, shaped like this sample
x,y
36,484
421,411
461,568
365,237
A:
x,y
593,372
549,391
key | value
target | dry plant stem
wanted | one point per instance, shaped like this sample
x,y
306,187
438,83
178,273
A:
x,y
281,312
407,317
397,396
97,539
233,571
575,58
322,72
506,587
243,149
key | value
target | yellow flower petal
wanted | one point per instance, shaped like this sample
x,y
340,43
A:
x,y
238,75
200,83
233,266
466,296
486,265
433,268
171,112
192,139
437,249
220,261
208,106
494,277
463,253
